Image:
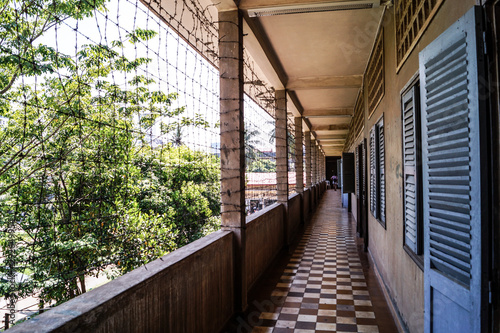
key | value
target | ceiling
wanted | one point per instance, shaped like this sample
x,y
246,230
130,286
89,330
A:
x,y
318,57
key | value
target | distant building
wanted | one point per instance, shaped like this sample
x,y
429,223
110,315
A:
x,y
215,146
268,155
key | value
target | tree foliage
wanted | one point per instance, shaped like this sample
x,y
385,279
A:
x,y
79,177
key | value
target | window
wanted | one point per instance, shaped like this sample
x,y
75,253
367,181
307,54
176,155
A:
x,y
412,172
411,19
377,171
375,85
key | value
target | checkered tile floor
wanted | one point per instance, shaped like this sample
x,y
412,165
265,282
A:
x,y
323,288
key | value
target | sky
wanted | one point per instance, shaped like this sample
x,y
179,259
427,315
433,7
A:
x,y
175,67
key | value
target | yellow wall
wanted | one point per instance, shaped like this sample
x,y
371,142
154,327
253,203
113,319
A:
x,y
404,280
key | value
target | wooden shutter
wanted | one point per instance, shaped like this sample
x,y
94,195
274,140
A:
x,y
373,172
452,107
381,169
411,129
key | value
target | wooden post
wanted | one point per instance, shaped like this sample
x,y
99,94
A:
x,y
307,144
7,320
299,158
232,144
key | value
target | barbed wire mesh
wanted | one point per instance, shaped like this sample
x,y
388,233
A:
x,y
109,141
260,140
291,155
256,86
260,158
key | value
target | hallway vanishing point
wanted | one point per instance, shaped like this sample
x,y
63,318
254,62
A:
x,y
327,284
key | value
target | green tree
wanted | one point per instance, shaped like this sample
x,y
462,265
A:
x,y
78,176
251,141
22,23
262,165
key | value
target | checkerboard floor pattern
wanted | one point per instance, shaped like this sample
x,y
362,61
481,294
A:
x,y
323,288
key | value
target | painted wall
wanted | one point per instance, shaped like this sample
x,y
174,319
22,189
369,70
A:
x,y
403,279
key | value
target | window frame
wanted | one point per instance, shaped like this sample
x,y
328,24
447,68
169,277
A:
x,y
418,256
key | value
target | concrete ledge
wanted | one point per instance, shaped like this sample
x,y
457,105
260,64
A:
x,y
306,197
265,239
294,216
188,290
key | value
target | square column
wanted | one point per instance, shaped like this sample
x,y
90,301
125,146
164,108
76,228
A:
x,y
307,144
232,144
299,158
323,177
314,159
281,147
320,165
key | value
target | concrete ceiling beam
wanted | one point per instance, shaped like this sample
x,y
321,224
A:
x,y
327,141
337,127
254,4
324,82
331,112
332,145
332,137
224,5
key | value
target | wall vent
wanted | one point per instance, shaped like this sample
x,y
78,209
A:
x,y
314,8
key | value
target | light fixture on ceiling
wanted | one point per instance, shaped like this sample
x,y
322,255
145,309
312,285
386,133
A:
x,y
314,8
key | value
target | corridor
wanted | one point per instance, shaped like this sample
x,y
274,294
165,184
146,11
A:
x,y
326,285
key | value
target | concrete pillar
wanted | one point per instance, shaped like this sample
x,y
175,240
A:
x,y
320,156
324,165
281,147
307,144
320,170
314,171
299,161
232,145
323,176
318,159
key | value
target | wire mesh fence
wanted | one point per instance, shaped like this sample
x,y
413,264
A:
x,y
260,158
290,134
304,165
109,141
260,144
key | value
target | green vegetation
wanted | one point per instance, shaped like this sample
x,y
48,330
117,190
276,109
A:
x,y
79,179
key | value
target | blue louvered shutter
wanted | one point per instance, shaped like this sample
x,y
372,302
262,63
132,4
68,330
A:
x,y
450,68
356,152
410,161
381,169
373,172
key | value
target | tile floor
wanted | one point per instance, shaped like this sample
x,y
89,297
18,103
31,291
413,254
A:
x,y
323,287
